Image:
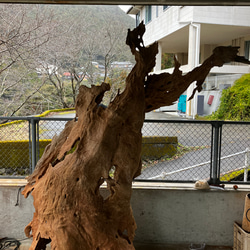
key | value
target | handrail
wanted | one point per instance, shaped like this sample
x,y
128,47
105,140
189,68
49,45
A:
x,y
164,174
216,129
28,118
246,151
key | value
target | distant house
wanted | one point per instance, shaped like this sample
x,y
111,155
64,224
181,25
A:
x,y
191,33
67,75
95,64
122,65
45,68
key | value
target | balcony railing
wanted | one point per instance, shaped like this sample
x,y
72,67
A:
x,y
187,150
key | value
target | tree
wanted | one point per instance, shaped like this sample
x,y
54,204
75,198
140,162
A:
x,y
51,41
71,212
235,101
76,51
167,61
117,85
71,50
24,31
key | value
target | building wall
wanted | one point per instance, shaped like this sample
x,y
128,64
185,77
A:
x,y
213,82
210,108
182,58
176,17
186,216
231,15
164,213
206,50
14,218
163,25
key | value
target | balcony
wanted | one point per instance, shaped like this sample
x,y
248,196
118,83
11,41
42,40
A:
x,y
168,215
226,69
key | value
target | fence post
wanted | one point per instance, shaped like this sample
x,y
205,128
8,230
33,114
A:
x,y
246,165
37,141
34,138
30,147
215,152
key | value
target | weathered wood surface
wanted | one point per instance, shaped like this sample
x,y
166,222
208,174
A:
x,y
70,211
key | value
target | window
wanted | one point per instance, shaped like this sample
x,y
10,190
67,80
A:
x,y
247,50
148,14
137,18
165,7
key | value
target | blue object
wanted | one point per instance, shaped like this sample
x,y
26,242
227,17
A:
x,y
182,103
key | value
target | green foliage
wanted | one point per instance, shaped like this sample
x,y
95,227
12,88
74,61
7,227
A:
x,y
78,35
235,102
167,61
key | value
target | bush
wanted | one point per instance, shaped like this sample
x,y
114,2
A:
x,y
235,102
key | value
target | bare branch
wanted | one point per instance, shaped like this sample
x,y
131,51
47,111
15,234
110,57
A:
x,y
26,99
164,89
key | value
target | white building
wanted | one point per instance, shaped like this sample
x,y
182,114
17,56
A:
x,y
122,65
45,68
191,33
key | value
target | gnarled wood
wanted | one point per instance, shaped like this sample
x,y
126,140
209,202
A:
x,y
164,89
70,211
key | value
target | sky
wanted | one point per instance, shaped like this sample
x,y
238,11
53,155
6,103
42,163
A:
x,y
125,8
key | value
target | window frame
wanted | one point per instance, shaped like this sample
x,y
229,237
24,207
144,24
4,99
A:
x,y
247,49
148,14
137,18
165,7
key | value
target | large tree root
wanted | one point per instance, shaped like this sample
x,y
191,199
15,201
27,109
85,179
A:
x,y
70,211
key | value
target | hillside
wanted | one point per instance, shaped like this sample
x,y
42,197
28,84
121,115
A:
x,y
95,19
96,13
62,39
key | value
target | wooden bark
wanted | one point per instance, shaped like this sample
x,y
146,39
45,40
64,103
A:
x,y
70,211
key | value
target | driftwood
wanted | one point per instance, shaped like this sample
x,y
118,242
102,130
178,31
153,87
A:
x,y
70,211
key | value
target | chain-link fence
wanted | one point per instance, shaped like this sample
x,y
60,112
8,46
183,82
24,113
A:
x,y
15,148
215,151
172,150
193,147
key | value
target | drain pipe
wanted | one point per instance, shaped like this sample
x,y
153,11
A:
x,y
197,51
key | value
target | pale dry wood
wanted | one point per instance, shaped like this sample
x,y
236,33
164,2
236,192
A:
x,y
70,210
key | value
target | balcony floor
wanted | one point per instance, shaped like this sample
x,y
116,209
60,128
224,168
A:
x,y
177,247
138,246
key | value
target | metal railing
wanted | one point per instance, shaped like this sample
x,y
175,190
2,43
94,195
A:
x,y
205,149
245,167
204,144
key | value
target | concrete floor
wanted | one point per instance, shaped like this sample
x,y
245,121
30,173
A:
x,y
139,246
176,247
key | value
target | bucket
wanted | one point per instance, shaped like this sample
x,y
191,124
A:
x,y
197,246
